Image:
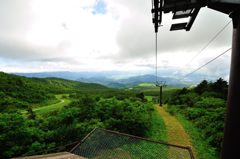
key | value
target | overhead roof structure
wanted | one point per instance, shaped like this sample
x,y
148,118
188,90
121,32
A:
x,y
224,6
188,9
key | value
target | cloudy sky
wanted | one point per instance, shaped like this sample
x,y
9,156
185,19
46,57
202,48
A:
x,y
105,35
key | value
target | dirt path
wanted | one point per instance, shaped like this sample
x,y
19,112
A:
x,y
175,131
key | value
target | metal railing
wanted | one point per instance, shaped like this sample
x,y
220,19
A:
x,y
101,143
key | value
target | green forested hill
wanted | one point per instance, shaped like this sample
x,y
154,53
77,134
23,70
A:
x,y
41,115
58,112
19,92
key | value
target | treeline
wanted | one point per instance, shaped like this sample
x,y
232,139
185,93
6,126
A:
x,y
205,107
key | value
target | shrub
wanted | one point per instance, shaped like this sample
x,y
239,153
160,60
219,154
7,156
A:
x,y
210,103
194,113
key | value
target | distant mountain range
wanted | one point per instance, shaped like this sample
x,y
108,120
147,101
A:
x,y
110,79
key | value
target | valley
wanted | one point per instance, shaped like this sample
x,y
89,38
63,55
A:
x,y
41,114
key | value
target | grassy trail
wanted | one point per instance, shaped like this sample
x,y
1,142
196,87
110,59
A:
x,y
175,131
52,107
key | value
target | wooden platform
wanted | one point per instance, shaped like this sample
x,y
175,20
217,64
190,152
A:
x,y
60,155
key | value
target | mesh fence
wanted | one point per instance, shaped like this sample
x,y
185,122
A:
x,y
105,144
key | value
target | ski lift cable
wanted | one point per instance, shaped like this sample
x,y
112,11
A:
x,y
207,63
207,44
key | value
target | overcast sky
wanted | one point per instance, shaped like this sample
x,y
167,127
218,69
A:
x,y
105,35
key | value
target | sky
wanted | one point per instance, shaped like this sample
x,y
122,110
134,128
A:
x,y
106,35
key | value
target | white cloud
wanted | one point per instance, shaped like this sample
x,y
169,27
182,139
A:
x,y
66,35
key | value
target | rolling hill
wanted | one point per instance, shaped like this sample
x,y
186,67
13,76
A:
x,y
18,91
110,79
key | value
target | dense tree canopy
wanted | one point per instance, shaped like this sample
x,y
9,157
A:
x,y
205,106
92,106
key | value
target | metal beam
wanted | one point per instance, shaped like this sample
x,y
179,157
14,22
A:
x,y
180,5
179,26
232,122
192,19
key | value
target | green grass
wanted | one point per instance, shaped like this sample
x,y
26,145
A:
x,y
149,98
146,85
53,107
158,133
158,129
201,147
46,102
62,101
155,91
135,150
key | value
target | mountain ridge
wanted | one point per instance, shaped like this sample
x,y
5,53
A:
x,y
109,78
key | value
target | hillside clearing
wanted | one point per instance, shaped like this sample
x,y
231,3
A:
x,y
52,107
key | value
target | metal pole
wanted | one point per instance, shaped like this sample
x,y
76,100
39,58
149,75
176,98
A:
x,y
161,95
232,122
